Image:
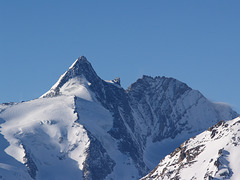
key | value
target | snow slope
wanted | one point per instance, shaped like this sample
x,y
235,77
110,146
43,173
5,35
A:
x,y
41,132
88,128
212,154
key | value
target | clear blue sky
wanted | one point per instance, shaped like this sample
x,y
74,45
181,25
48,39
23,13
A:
x,y
197,42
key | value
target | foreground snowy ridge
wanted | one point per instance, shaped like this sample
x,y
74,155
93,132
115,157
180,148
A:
x,y
213,154
88,128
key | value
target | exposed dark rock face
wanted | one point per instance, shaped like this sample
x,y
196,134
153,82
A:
x,y
166,107
155,99
98,163
185,158
29,163
123,129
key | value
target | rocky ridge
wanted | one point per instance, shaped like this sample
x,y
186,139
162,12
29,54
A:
x,y
210,155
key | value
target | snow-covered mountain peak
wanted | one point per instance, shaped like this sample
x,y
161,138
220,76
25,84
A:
x,y
80,68
96,130
158,82
210,155
171,109
76,80
79,62
83,58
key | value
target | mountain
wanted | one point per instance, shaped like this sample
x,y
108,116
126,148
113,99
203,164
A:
x,y
88,128
212,154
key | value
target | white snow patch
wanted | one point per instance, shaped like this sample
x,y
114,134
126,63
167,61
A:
x,y
48,126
